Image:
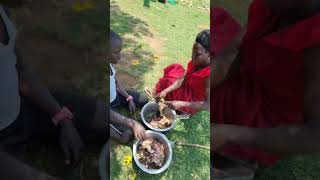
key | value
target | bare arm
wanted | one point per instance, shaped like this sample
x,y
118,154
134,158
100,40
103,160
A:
x,y
175,85
225,63
294,139
31,87
118,118
137,128
121,90
199,105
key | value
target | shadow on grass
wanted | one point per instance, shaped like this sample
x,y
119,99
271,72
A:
x,y
63,45
137,58
85,29
50,159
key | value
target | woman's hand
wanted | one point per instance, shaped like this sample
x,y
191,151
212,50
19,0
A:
x,y
70,142
162,94
219,136
132,106
138,130
175,104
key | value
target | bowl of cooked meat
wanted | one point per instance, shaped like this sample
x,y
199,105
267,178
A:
x,y
153,154
157,119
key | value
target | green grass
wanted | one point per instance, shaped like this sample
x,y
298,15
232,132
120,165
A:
x,y
172,28
290,168
155,38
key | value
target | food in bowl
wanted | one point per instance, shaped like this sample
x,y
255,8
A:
x,y
156,120
151,153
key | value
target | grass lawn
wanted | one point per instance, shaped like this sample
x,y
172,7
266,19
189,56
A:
x,y
291,168
155,38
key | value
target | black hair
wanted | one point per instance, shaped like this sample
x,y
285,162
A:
x,y
114,37
203,38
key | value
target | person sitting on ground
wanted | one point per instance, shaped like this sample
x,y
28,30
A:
x,y
120,97
266,84
188,90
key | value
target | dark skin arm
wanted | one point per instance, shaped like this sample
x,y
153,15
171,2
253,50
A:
x,y
173,87
123,92
31,87
294,139
137,128
225,64
199,105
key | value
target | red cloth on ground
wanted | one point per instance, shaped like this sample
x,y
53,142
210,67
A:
x,y
192,89
268,91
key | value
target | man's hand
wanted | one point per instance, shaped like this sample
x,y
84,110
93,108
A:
x,y
70,142
138,130
132,106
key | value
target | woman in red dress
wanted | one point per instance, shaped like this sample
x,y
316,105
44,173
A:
x,y
265,91
189,88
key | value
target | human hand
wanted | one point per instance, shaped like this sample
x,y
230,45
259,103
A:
x,y
70,142
175,104
132,106
162,94
219,136
138,130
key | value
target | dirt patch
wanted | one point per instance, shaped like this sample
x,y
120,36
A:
x,y
126,80
155,44
58,63
203,26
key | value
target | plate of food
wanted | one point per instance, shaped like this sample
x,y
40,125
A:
x,y
160,118
156,120
153,154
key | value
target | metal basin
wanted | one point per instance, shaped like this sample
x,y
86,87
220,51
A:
x,y
153,107
168,152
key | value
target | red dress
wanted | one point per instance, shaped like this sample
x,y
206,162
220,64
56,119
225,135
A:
x,y
192,89
268,91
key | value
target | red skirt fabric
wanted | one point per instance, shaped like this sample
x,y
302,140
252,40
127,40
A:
x,y
268,91
192,89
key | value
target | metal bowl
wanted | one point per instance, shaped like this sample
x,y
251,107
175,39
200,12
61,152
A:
x,y
153,107
104,156
168,152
